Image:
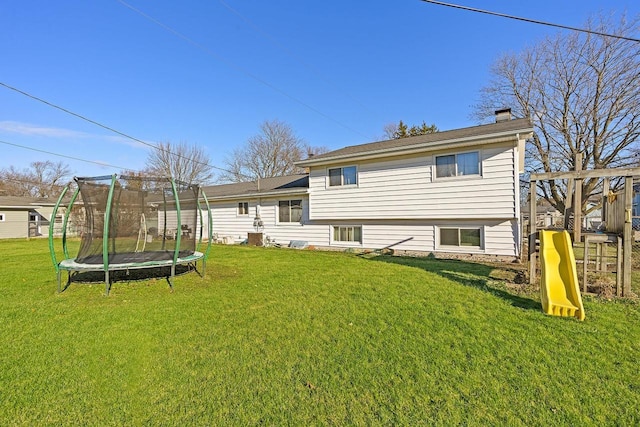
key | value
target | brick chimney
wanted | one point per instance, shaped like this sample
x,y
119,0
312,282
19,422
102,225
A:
x,y
503,115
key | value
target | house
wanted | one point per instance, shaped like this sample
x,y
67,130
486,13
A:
x,y
25,216
276,206
452,191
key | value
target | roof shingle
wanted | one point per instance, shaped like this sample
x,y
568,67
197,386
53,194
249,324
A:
x,y
265,185
432,138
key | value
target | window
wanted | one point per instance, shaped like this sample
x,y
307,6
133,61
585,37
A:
x,y
463,237
347,234
290,211
458,164
343,176
1,217
33,217
243,208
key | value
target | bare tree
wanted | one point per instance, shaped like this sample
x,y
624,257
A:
x,y
401,130
272,152
582,92
183,162
41,179
389,131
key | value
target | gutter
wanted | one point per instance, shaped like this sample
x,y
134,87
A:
x,y
506,136
257,194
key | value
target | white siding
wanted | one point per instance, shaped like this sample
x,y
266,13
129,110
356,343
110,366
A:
x,y
406,189
499,237
226,222
397,200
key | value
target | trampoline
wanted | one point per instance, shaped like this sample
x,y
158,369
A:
x,y
132,223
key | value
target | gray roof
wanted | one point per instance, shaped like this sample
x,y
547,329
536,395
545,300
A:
x,y
438,140
266,186
24,202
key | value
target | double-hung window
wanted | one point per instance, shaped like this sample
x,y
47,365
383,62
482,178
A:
x,y
243,208
347,234
461,237
458,164
290,211
343,176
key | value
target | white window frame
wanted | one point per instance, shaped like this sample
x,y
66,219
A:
x,y
2,217
342,184
290,222
459,246
347,242
241,206
455,163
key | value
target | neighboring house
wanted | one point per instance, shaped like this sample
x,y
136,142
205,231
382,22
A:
x,y
547,216
453,191
25,216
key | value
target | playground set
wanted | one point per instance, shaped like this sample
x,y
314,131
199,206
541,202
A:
x,y
560,288
132,223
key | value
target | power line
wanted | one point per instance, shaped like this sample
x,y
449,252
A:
x,y
63,155
279,45
50,104
238,68
20,187
533,21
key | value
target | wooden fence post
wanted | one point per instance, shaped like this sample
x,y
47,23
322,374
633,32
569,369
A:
x,y
532,232
627,241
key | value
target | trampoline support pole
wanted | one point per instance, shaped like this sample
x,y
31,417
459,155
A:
x,y
107,283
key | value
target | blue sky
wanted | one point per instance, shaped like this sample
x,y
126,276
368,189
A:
x,y
209,72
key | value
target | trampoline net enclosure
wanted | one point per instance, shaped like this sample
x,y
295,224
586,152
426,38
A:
x,y
145,219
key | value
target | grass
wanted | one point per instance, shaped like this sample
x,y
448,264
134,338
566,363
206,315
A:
x,y
284,337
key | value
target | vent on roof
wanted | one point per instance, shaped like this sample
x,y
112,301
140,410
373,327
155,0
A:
x,y
503,115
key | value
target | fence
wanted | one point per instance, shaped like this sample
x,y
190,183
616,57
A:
x,y
604,243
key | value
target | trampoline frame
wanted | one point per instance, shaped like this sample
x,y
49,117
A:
x,y
71,265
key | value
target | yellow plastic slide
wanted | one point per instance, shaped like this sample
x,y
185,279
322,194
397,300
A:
x,y
559,291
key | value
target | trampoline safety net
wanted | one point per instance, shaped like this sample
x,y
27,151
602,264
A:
x,y
145,219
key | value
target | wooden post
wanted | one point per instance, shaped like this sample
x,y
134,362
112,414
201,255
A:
x,y
619,266
585,265
627,241
568,203
532,232
605,200
577,203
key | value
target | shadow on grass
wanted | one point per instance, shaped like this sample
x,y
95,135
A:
x,y
134,275
467,273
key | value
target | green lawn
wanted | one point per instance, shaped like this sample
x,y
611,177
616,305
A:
x,y
285,337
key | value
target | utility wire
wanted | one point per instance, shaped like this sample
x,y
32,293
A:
x,y
62,155
26,181
533,21
238,68
283,48
112,129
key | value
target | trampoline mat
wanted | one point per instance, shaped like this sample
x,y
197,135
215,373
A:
x,y
131,275
134,257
